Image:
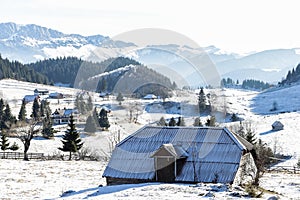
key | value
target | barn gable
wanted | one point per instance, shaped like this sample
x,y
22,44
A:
x,y
199,155
277,126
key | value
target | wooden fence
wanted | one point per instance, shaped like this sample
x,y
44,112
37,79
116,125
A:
x,y
20,155
289,169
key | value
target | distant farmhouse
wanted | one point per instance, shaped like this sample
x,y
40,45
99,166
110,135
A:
x,y
181,154
37,95
41,92
62,116
56,95
277,126
150,97
30,98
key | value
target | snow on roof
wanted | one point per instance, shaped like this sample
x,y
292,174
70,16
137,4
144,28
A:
x,y
277,124
150,96
173,150
216,150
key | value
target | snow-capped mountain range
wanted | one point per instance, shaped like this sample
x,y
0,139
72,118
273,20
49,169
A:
x,y
29,43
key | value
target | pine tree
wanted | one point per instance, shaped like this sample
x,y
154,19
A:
x,y
42,109
103,119
90,125
89,105
22,112
180,122
48,130
202,100
35,109
4,142
250,136
172,122
2,123
211,121
71,140
197,122
120,98
8,119
162,122
96,117
80,104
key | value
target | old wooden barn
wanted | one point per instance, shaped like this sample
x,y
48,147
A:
x,y
181,154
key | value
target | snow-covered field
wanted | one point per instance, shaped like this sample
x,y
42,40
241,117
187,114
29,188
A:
x,y
52,179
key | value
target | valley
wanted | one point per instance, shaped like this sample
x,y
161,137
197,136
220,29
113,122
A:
x,y
82,178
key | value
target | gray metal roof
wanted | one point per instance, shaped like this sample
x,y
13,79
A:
x,y
277,124
214,152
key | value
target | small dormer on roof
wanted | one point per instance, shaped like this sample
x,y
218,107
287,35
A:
x,y
170,150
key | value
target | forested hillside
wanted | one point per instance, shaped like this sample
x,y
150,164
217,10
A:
x,y
138,80
115,74
292,76
18,71
127,76
66,69
63,70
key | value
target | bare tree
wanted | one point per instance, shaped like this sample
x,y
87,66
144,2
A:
x,y
26,134
113,139
135,110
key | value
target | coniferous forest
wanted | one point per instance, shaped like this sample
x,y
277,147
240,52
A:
x,y
18,71
65,70
292,76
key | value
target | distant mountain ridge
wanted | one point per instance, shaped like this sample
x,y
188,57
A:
x,y
30,43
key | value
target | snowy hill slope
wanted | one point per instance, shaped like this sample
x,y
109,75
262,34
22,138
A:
x,y
51,179
255,108
286,99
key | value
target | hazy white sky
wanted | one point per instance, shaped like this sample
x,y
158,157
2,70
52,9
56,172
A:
x,y
232,25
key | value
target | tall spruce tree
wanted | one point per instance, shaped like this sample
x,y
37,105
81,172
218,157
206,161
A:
x,y
8,118
80,104
71,140
90,125
4,142
202,100
89,105
36,110
211,121
2,123
103,119
22,112
48,130
172,122
96,117
180,122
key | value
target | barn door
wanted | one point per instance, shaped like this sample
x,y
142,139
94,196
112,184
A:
x,y
165,169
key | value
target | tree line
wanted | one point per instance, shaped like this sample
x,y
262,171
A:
x,y
292,76
18,71
246,84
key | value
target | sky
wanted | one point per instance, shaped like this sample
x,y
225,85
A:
x,y
240,26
